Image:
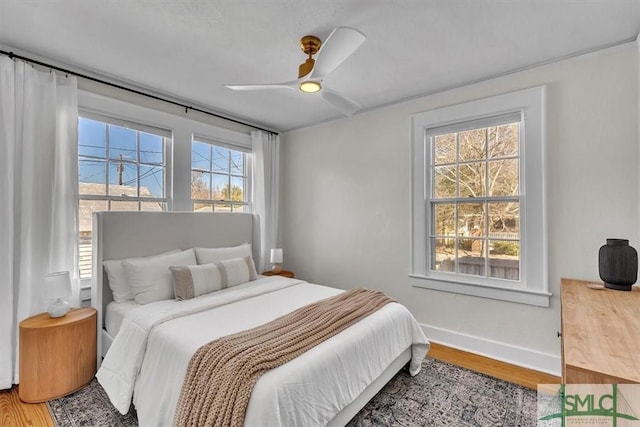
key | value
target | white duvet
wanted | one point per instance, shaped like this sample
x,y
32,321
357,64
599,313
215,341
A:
x,y
149,357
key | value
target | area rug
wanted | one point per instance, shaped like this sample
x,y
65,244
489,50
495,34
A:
x,y
440,395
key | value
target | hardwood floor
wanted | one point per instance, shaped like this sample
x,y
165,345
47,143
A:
x,y
15,413
494,368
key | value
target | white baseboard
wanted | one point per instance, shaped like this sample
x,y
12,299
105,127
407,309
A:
x,y
520,356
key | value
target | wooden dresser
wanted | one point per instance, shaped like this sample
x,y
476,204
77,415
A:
x,y
600,334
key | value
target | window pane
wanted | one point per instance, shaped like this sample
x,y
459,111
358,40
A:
x,y
504,220
92,138
444,182
504,140
218,174
220,187
122,142
237,162
471,256
123,179
151,148
201,156
444,255
152,206
503,178
220,160
472,180
444,223
151,181
444,148
504,259
472,145
116,205
237,189
202,207
471,219
92,171
200,185
86,208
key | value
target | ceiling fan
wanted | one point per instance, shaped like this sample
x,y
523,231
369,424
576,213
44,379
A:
x,y
340,44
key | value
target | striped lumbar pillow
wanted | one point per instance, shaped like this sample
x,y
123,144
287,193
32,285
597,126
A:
x,y
190,281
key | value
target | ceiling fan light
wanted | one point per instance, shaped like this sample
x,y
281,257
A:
x,y
310,86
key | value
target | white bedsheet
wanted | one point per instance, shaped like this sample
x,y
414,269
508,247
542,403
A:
x,y
151,353
115,314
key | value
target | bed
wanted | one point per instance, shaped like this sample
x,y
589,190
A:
x,y
147,347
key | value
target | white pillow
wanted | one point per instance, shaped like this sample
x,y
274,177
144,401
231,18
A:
x,y
209,255
118,277
151,280
194,280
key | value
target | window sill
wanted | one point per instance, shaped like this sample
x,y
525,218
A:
x,y
522,296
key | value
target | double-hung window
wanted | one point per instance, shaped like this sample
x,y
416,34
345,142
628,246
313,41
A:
x,y
121,167
478,198
475,198
219,177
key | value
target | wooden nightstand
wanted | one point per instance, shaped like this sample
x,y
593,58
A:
x,y
284,273
57,356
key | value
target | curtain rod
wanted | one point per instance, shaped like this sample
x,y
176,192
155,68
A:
x,y
138,92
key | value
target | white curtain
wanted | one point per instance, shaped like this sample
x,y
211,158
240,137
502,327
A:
x,y
38,195
266,190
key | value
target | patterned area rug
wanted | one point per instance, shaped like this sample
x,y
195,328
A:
x,y
440,395
89,407
446,395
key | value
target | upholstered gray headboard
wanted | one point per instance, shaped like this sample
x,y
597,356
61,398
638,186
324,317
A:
x,y
118,235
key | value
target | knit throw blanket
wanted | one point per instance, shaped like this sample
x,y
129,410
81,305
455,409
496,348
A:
x,y
221,374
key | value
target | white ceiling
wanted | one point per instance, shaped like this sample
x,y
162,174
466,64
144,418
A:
x,y
191,49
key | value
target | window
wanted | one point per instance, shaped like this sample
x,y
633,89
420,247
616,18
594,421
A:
x,y
475,199
132,157
478,221
219,180
121,166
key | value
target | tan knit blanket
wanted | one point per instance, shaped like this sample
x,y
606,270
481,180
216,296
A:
x,y
221,374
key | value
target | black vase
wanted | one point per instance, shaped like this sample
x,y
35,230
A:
x,y
618,264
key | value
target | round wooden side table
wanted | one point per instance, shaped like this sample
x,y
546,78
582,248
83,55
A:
x,y
57,355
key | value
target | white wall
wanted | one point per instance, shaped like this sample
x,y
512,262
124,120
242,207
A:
x,y
346,201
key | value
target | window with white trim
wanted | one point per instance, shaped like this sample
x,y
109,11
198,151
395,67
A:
x,y
474,198
219,177
478,219
121,167
133,157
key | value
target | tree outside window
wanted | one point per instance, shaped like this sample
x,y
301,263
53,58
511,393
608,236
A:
x,y
218,178
475,202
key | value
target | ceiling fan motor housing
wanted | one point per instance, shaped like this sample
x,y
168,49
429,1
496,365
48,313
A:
x,y
309,45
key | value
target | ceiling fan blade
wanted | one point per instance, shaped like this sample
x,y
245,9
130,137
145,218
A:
x,y
340,44
343,104
293,84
